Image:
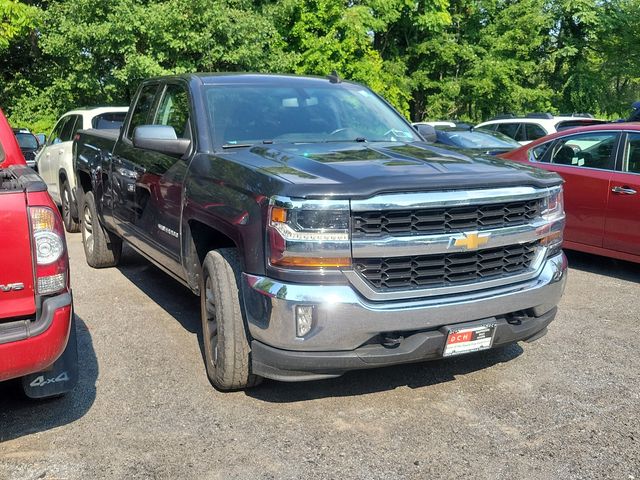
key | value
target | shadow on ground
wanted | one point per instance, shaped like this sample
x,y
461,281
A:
x,y
604,266
173,297
415,375
182,305
21,416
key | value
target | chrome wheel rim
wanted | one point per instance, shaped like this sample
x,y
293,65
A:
x,y
87,229
211,322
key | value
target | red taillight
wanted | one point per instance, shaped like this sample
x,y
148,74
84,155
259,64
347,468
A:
x,y
51,261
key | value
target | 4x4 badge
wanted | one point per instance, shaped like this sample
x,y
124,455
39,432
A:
x,y
470,241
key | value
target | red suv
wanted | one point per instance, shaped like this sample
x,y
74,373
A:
x,y
37,330
601,168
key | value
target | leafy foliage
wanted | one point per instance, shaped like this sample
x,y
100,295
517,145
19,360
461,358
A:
x,y
437,59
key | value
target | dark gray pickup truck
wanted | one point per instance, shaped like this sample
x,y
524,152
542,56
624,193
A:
x,y
320,230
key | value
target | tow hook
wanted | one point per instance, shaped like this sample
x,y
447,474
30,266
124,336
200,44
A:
x,y
391,340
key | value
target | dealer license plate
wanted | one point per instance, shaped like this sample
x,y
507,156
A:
x,y
467,340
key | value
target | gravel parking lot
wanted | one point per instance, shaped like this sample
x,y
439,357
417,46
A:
x,y
566,406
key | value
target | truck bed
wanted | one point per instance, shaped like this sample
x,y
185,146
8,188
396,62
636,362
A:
x,y
20,178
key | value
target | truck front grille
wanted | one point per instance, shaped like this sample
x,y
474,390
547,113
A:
x,y
446,219
446,269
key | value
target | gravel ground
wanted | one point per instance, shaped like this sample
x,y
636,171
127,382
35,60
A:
x,y
566,406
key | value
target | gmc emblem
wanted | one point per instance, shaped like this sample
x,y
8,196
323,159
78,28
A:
x,y
9,287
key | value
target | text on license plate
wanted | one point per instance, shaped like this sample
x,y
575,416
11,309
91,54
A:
x,y
466,340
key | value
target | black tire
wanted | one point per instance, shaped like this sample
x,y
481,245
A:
x,y
101,247
71,225
226,346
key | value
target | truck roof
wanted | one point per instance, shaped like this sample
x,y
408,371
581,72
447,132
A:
x,y
254,78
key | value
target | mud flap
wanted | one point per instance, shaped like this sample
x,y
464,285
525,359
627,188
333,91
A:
x,y
60,377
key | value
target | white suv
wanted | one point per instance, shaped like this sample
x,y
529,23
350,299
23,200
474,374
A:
x,y
536,125
55,160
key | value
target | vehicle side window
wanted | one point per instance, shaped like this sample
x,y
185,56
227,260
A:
x,y
142,109
534,131
539,153
109,120
509,129
632,160
77,126
56,133
174,110
590,150
67,131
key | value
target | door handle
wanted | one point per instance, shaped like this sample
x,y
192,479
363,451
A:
x,y
61,151
624,190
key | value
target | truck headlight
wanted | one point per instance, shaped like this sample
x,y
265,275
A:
x,y
553,212
553,205
309,233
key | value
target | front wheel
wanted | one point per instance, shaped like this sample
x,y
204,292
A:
x,y
71,225
226,345
101,247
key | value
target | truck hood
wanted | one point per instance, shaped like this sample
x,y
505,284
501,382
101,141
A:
x,y
363,169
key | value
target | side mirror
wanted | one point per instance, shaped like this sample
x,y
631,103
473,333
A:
x,y
427,132
42,139
160,138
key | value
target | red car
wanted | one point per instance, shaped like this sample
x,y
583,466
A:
x,y
37,331
601,168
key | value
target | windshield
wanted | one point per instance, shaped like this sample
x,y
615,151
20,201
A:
x,y
480,139
27,140
251,114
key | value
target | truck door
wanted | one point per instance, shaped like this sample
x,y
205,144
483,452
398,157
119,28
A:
x,y
126,165
163,176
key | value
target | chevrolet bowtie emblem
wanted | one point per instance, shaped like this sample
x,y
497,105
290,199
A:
x,y
470,241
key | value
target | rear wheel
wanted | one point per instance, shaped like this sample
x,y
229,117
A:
x,y
71,225
226,346
101,247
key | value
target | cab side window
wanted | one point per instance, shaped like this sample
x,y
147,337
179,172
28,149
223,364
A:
x,y
632,160
174,111
142,110
588,150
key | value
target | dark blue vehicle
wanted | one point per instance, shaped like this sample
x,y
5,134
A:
x,y
482,141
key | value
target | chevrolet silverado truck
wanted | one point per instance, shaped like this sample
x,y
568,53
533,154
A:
x,y
320,230
37,330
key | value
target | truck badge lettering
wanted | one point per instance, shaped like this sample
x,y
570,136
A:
x,y
470,241
167,230
41,381
9,287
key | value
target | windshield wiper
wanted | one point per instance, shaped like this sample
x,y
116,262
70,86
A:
x,y
347,140
238,145
241,145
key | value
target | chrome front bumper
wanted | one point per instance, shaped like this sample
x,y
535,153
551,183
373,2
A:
x,y
344,320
